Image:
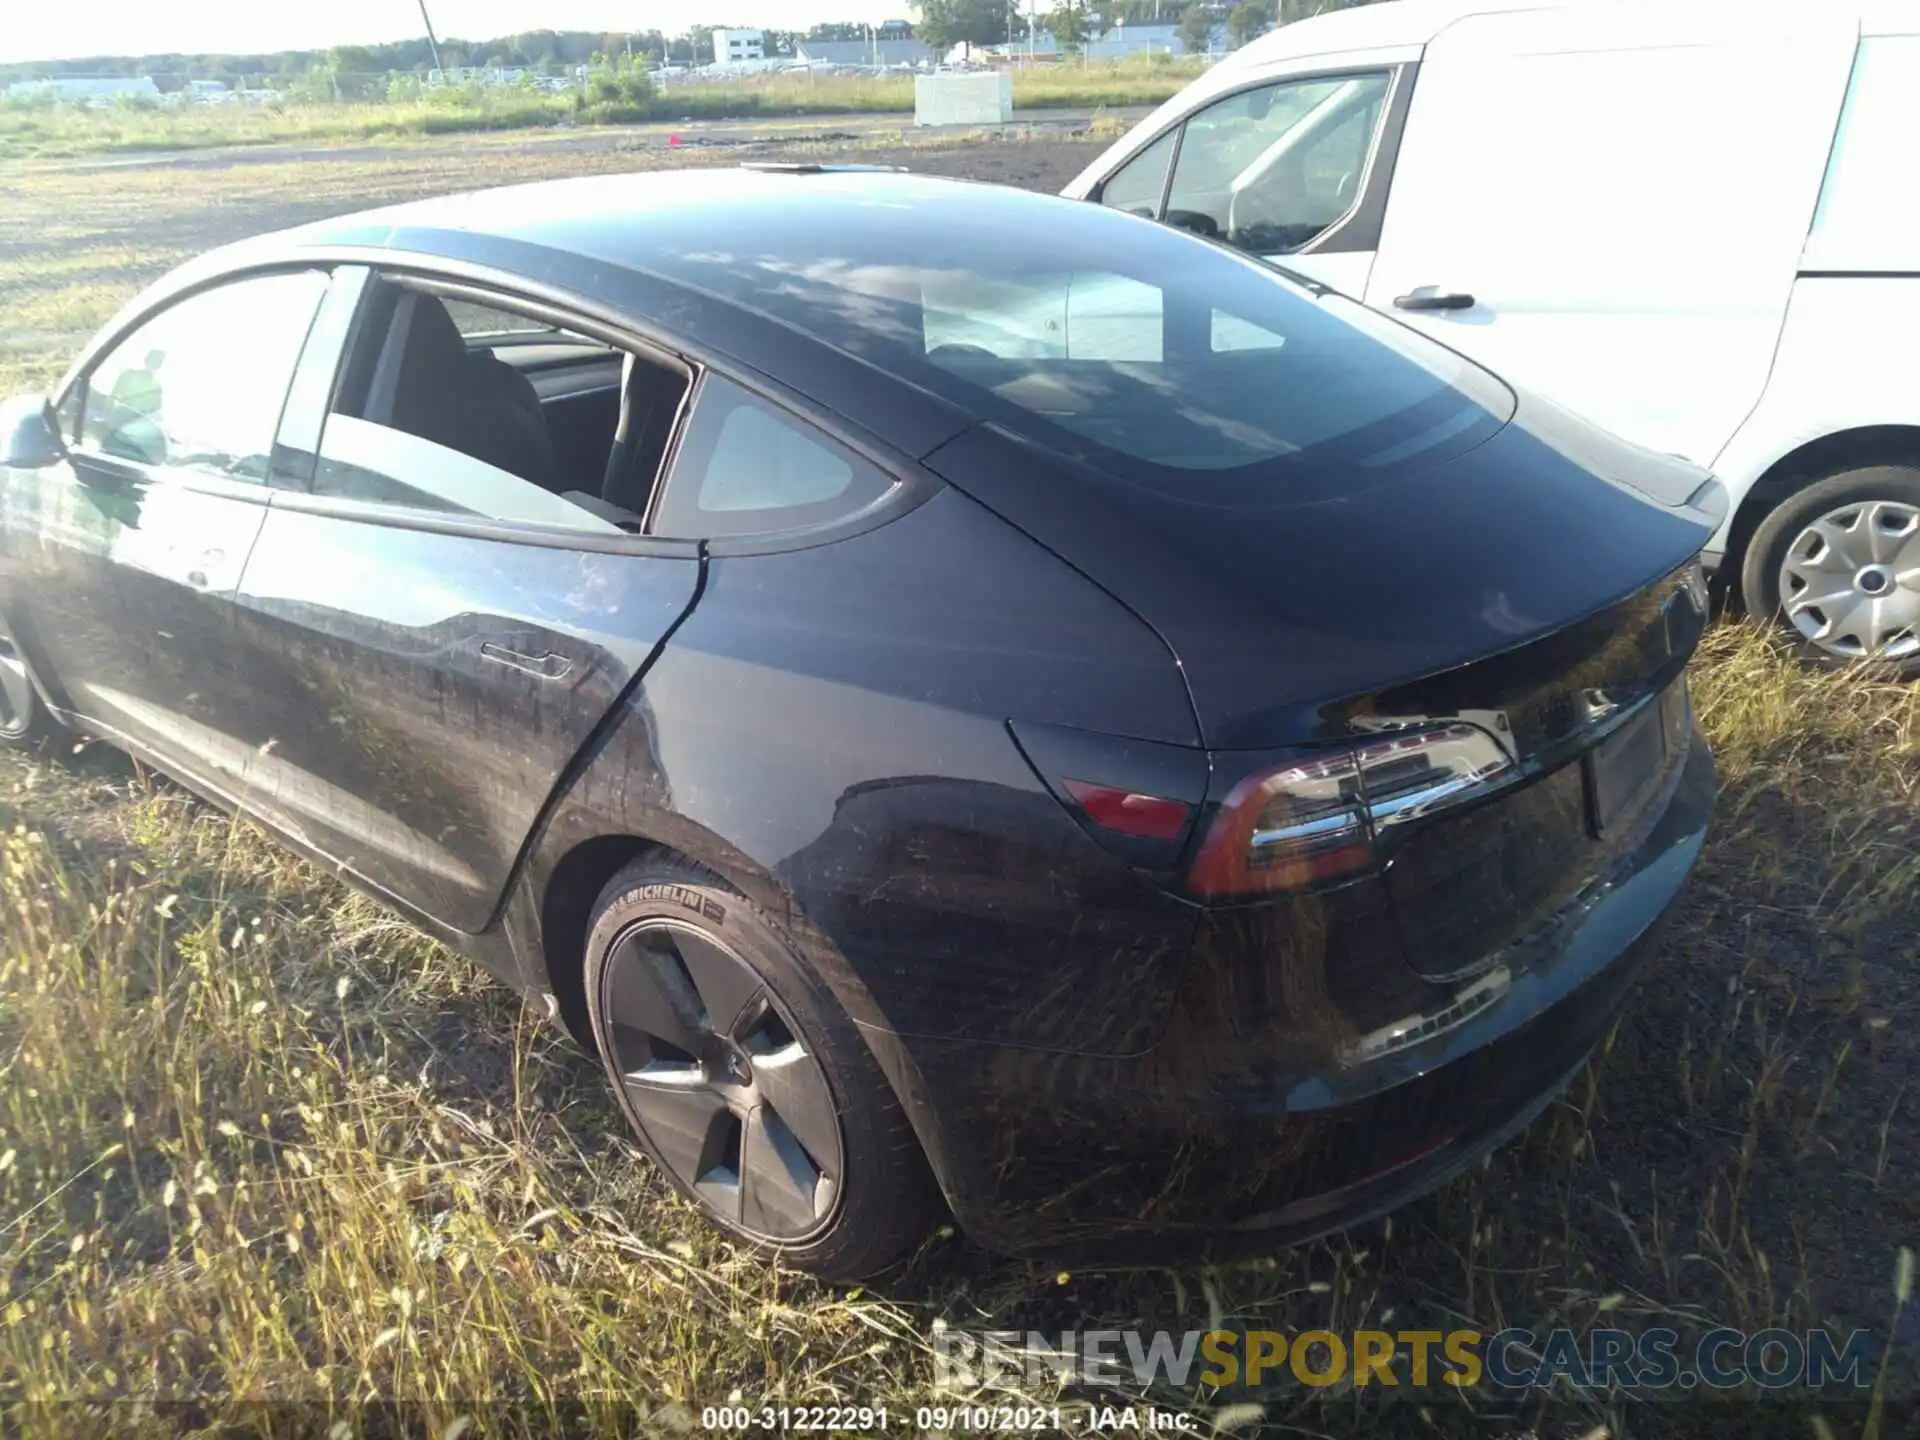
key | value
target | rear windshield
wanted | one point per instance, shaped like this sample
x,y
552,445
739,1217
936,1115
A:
x,y
1172,362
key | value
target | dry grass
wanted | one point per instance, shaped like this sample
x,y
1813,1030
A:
x,y
40,131
268,1158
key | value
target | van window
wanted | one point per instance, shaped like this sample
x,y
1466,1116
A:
x,y
1270,170
1138,186
1869,214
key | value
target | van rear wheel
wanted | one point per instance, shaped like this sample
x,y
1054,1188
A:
x,y
1838,565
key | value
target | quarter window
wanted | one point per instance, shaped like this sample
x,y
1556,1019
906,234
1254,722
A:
x,y
200,385
748,468
1138,186
1271,170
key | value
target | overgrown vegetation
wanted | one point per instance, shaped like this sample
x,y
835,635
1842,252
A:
x,y
613,95
267,1157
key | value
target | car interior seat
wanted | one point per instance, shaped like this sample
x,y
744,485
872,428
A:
x,y
466,400
650,398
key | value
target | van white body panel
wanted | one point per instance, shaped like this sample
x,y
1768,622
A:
x,y
1626,195
1846,362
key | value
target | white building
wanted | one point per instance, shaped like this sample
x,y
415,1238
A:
x,y
86,88
732,46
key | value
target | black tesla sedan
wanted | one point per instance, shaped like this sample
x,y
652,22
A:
x,y
954,694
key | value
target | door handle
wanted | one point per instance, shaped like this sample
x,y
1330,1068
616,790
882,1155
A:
x,y
1430,299
548,666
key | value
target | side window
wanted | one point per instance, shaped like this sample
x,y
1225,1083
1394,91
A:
x,y
1869,218
748,468
1138,186
1270,170
427,416
201,384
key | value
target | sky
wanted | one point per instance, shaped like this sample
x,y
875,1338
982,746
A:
x,y
41,31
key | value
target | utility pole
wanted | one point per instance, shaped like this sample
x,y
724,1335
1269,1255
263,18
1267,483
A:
x,y
432,43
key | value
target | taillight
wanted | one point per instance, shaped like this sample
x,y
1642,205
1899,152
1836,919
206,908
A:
x,y
1320,818
1127,812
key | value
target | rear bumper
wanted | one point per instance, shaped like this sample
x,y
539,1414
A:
x,y
1251,1123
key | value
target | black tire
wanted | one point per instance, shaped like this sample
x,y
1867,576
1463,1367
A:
x,y
1767,551
24,721
650,916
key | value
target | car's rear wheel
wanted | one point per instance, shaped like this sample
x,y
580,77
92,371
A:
x,y
1838,564
743,1078
24,721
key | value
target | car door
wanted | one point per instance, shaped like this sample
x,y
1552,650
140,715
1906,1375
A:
x,y
1292,168
139,538
1608,204
434,626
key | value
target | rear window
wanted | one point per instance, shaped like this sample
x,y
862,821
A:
x,y
1169,361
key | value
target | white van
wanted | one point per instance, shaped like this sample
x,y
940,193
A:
x,y
1696,222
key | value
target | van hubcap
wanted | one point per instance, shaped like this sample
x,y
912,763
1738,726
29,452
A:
x,y
1850,582
716,1076
16,692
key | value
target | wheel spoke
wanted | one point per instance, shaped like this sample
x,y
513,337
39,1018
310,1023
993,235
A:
x,y
725,985
1839,541
791,1083
649,993
1824,600
782,1192
695,1134
1888,528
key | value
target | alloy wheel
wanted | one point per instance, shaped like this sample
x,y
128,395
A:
x,y
16,692
1850,581
718,1078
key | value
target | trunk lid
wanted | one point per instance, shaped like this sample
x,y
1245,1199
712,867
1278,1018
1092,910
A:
x,y
1471,569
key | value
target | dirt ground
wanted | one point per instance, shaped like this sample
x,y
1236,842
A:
x,y
1744,1152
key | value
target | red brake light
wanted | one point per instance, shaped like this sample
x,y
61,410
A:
x,y
1317,818
1148,817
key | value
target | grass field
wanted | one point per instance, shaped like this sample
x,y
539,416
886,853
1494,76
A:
x,y
268,1158
47,131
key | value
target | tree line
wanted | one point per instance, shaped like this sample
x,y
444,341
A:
x,y
942,24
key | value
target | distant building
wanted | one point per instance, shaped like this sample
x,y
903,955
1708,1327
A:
x,y
884,51
1115,44
86,88
731,46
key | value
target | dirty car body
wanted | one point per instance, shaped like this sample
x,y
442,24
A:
x,y
1227,755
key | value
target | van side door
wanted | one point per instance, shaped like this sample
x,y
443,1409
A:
x,y
1608,203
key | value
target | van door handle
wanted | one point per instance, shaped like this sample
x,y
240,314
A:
x,y
548,666
1428,298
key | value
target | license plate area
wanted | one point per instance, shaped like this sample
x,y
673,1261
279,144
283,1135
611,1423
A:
x,y
1623,769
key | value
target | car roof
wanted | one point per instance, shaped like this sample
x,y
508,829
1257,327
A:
x,y
1416,22
639,250
641,220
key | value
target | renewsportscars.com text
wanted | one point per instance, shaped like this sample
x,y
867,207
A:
x,y
1512,1359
